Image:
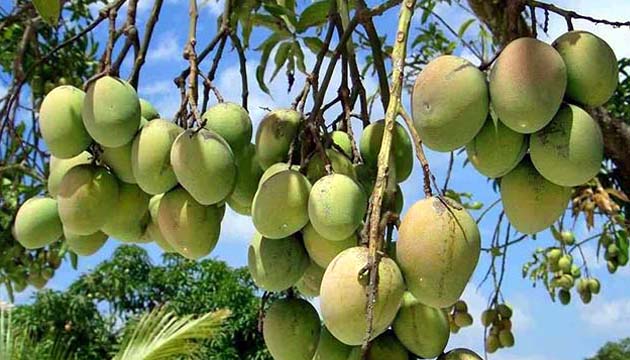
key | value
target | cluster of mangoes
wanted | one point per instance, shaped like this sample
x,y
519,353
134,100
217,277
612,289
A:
x,y
525,122
308,223
118,170
458,316
565,274
612,253
498,319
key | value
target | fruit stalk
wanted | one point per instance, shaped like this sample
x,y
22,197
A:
x,y
375,240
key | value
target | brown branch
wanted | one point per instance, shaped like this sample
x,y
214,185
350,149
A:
x,y
236,42
146,40
426,170
131,36
570,14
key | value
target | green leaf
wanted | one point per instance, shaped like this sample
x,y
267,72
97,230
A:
x,y
49,10
281,57
266,47
314,44
315,14
464,27
74,260
285,14
299,56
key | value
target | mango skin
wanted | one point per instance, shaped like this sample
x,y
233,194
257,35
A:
x,y
61,124
592,69
274,136
248,175
59,167
131,217
204,165
190,228
531,202
280,206
343,301
343,141
291,329
339,163
311,281
569,151
321,250
370,146
329,348
231,121
274,169
437,250
276,264
527,84
151,156
153,231
111,111
384,347
460,354
336,206
148,111
119,161
496,149
446,122
85,245
422,329
87,198
37,223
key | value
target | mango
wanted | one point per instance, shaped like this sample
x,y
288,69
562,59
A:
x,y
131,216
274,136
402,150
85,245
59,168
37,223
321,250
291,329
231,121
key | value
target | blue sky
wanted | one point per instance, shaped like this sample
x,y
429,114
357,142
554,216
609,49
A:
x,y
543,330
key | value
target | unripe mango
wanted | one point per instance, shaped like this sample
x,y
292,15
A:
x,y
438,248
343,296
384,347
247,178
329,348
276,264
592,70
204,165
148,111
336,206
231,121
87,198
527,84
61,124
151,156
291,329
446,121
460,354
311,281
192,229
85,245
422,329
339,164
275,133
37,223
131,217
321,250
280,206
342,140
402,150
496,149
531,202
570,150
111,111
153,231
119,161
59,168
274,169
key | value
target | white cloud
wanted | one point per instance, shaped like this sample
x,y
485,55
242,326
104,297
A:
x,y
165,48
611,315
214,7
236,228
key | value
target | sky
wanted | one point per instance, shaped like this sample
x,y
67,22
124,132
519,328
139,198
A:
x,y
544,330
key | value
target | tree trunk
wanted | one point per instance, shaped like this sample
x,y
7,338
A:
x,y
506,21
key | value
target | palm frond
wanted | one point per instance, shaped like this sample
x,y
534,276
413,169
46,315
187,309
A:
x,y
161,334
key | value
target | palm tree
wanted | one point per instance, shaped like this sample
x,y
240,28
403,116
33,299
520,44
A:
x,y
158,335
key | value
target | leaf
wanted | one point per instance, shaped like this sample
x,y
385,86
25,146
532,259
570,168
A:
x,y
464,27
283,13
315,14
74,260
49,10
281,57
314,44
618,194
299,56
161,334
266,47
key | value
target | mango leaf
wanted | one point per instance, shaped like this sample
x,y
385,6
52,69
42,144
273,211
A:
x,y
74,260
266,47
314,44
464,27
281,57
315,14
299,56
49,10
283,13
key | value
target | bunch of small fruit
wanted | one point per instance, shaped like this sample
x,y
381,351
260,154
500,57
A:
x,y
498,319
